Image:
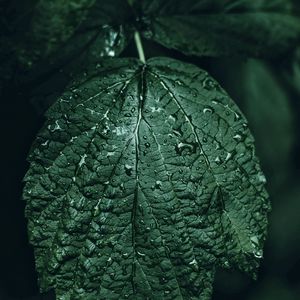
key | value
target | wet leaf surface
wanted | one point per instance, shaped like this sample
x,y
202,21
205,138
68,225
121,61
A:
x,y
142,181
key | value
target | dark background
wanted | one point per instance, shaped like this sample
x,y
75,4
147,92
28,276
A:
x,y
267,93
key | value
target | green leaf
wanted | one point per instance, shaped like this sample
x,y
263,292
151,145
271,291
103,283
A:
x,y
13,17
143,181
267,106
68,28
291,72
215,28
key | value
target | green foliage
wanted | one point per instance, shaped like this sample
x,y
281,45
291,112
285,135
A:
x,y
144,178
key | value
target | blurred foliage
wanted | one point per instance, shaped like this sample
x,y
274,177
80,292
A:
x,y
36,28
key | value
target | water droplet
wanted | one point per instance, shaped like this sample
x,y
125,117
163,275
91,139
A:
x,y
226,264
209,84
128,170
162,280
55,127
208,110
82,160
141,254
237,116
218,160
179,82
258,253
157,185
261,178
190,147
254,241
173,118
228,156
237,137
122,188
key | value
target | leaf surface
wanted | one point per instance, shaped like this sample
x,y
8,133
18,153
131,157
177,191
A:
x,y
222,28
143,181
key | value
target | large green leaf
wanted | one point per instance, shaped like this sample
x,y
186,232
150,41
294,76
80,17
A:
x,y
143,181
217,28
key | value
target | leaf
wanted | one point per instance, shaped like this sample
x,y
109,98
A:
x,y
267,106
52,23
291,72
218,28
11,14
67,28
143,181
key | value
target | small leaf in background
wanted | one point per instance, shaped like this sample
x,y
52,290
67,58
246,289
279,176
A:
x,y
215,28
142,181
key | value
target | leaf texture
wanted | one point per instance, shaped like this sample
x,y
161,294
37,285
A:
x,y
143,181
222,28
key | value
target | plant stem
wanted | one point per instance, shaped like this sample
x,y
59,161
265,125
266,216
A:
x,y
139,46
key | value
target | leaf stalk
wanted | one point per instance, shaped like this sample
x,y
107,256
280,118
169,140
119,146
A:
x,y
139,46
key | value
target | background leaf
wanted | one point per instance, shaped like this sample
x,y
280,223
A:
x,y
142,181
242,27
70,24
